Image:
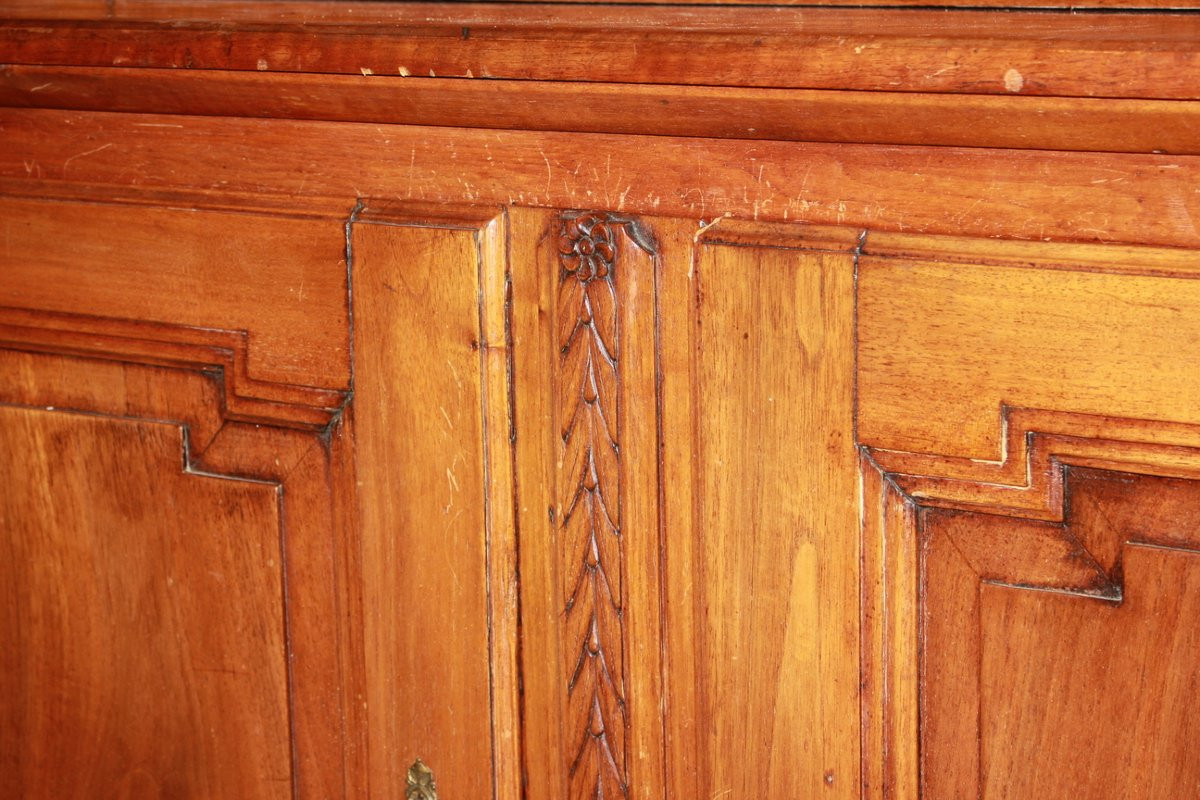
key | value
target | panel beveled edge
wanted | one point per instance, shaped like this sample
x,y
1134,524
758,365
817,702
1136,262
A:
x,y
1025,477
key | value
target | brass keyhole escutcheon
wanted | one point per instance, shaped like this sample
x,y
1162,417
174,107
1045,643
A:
x,y
421,785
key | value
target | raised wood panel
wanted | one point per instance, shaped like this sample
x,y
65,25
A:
x,y
434,499
144,622
1036,681
203,621
191,268
761,516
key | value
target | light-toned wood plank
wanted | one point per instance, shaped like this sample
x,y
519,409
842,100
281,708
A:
x,y
769,601
890,670
428,510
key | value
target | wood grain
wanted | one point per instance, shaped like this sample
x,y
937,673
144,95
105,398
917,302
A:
x,y
425,398
975,51
500,353
890,636
1016,194
143,617
588,497
199,269
1037,342
310,543
1064,693
762,586
1078,124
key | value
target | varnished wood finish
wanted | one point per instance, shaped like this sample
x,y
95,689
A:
x,y
761,578
963,191
976,51
713,402
133,613
142,602
1042,667
588,500
434,500
977,120
136,262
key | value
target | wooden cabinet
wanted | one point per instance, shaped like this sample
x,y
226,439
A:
x,y
618,426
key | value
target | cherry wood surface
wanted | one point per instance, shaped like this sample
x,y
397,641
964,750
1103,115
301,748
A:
x,y
434,504
192,268
133,613
173,594
976,120
404,400
969,51
764,601
1055,195
1014,675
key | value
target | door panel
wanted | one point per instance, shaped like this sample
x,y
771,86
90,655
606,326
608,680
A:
x,y
1029,405
180,586
143,618
1081,660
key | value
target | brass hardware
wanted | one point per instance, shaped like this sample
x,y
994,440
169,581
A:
x,y
420,783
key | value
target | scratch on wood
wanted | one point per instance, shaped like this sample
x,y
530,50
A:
x,y
87,153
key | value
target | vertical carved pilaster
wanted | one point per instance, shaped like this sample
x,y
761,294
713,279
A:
x,y
590,501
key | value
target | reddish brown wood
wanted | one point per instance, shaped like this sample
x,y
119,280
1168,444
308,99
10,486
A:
x,y
755,322
192,268
1070,690
145,654
997,52
568,496
288,618
434,497
587,491
1071,196
1082,124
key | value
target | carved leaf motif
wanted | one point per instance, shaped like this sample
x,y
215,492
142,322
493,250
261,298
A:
x,y
589,491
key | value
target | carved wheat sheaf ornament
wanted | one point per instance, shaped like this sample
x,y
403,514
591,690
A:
x,y
590,250
421,785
